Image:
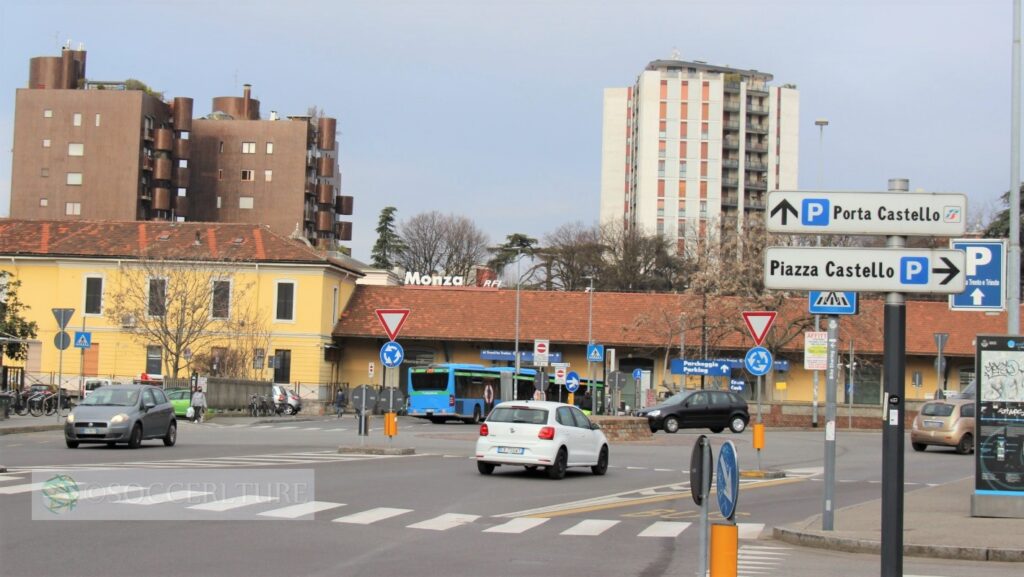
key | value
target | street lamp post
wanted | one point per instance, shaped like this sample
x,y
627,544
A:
x,y
515,376
821,123
590,341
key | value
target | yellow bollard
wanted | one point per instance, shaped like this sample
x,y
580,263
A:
x,y
759,436
571,398
724,550
391,424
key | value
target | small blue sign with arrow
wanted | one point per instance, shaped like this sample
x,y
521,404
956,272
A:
x,y
727,486
391,354
758,361
572,382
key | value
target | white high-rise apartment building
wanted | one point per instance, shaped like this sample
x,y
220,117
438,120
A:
x,y
691,145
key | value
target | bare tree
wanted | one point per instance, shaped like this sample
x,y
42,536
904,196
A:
x,y
436,243
180,305
465,246
573,252
635,261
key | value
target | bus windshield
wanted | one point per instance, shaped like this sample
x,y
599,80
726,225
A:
x,y
433,381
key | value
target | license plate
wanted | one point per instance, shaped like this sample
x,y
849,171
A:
x,y
933,424
89,431
511,450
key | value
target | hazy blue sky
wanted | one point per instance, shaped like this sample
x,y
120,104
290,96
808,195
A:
x,y
492,109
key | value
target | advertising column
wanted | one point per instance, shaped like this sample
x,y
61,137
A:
x,y
999,448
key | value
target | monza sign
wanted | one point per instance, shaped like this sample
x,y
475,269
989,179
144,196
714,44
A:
x,y
868,213
864,269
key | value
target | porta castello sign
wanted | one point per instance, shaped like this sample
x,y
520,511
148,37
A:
x,y
424,279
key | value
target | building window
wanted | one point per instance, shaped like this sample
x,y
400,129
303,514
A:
x,y
661,169
44,172
183,135
46,143
703,208
220,174
221,299
182,163
93,295
76,119
334,306
153,359
97,119
157,297
182,192
218,202
47,113
270,148
682,169
245,202
248,148
74,179
268,175
248,175
285,301
220,149
76,149
73,208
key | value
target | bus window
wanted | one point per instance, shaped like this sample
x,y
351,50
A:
x,y
435,381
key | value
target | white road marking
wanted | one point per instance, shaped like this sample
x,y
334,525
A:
x,y
444,522
300,510
170,497
261,426
518,525
372,515
233,503
5,478
15,489
105,491
665,470
286,428
750,530
664,529
590,527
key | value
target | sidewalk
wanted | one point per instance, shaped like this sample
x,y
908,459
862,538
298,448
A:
x,y
937,523
30,424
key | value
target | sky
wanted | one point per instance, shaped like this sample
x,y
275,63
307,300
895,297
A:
x,y
492,109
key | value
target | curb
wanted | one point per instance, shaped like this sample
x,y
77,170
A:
x,y
376,451
852,545
762,474
30,429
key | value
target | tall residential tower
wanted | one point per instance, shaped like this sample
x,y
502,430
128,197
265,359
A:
x,y
690,146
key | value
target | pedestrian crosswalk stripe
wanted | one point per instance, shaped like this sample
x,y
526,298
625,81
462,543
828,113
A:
x,y
301,510
750,530
5,478
233,503
107,491
14,489
517,525
664,529
170,497
286,428
444,522
590,527
372,515
261,426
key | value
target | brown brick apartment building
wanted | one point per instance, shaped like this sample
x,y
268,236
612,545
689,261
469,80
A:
x,y
115,151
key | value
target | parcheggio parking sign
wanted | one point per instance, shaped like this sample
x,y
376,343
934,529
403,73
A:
x,y
985,275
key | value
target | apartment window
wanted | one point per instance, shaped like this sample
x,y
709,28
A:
x,y
76,149
334,306
74,179
182,163
661,227
97,119
47,113
44,202
285,301
703,208
661,168
270,148
93,295
268,175
76,119
182,192
44,172
248,148
221,299
218,202
245,202
661,129
46,143
661,188
157,297
154,359
248,175
220,149
682,169
73,208
183,135
220,174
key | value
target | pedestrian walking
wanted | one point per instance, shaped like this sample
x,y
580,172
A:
x,y
198,405
340,401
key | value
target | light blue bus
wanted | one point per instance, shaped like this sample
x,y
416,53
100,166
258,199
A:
x,y
467,392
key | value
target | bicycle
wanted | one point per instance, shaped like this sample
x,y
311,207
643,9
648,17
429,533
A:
x,y
35,404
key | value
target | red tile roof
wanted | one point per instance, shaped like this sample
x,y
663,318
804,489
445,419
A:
x,y
188,240
638,320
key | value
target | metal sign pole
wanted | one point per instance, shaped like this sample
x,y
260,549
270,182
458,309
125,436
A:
x,y
831,381
759,420
60,379
705,491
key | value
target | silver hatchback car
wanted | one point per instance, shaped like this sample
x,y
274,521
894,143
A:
x,y
122,414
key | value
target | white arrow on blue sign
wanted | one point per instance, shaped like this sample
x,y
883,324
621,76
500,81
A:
x,y
758,361
637,374
727,487
391,354
572,382
985,272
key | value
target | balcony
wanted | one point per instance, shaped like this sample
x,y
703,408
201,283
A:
x,y
731,105
757,128
730,201
730,182
756,166
757,110
730,162
164,139
731,125
731,144
731,87
756,147
325,193
755,185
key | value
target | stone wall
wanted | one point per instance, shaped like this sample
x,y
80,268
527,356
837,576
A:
x,y
793,414
619,429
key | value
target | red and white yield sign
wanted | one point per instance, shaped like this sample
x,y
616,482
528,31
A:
x,y
758,322
392,321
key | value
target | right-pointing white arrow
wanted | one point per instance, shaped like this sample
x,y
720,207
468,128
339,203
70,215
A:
x,y
976,296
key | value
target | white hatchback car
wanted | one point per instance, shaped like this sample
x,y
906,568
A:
x,y
540,434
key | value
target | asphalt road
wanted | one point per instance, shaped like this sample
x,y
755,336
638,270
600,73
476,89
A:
x,y
430,513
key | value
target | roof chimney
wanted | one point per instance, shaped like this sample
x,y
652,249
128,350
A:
x,y
198,241
246,96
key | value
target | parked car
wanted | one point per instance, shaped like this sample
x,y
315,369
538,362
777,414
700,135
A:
x,y
181,400
947,423
286,399
93,384
699,409
122,414
540,434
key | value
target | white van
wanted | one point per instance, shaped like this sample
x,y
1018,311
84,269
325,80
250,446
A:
x,y
93,384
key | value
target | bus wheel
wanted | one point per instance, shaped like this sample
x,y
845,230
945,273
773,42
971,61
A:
x,y
475,419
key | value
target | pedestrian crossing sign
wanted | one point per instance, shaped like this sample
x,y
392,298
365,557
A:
x,y
595,353
83,340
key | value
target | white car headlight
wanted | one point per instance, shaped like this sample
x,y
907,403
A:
x,y
120,418
654,413
71,417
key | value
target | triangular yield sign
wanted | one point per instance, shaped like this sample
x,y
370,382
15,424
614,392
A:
x,y
758,322
392,321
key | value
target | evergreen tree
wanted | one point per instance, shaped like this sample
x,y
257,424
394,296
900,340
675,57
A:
x,y
12,324
389,244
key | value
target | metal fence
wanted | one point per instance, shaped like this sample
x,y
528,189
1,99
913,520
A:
x,y
225,393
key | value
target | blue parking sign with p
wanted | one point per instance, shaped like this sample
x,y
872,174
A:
x,y
814,212
914,270
985,275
